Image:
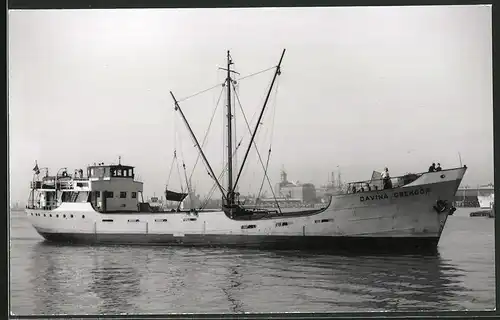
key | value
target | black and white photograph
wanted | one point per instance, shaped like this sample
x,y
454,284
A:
x,y
249,160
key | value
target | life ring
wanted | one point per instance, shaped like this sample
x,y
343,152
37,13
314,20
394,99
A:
x,y
440,206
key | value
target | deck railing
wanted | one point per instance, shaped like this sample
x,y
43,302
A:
x,y
395,182
378,184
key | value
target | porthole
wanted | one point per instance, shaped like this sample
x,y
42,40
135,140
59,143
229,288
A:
x,y
71,216
57,216
50,215
64,216
83,216
32,213
44,215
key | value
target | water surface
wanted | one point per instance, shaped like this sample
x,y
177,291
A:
x,y
62,279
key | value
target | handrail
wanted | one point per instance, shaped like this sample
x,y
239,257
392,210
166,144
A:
x,y
397,177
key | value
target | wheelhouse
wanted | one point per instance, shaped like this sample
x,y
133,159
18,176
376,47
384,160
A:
x,y
109,188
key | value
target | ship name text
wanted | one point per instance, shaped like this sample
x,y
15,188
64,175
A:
x,y
399,194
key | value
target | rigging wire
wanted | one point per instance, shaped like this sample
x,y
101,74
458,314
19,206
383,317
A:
x,y
212,190
170,172
256,73
177,159
207,165
219,84
174,159
224,170
206,134
235,164
259,134
199,92
272,135
175,152
258,153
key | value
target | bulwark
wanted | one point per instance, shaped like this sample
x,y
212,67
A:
x,y
399,194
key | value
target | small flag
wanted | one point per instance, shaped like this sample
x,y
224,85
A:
x,y
37,171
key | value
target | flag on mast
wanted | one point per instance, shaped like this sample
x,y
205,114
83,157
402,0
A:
x,y
36,169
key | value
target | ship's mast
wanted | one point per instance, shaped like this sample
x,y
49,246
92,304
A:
x,y
229,197
229,81
230,192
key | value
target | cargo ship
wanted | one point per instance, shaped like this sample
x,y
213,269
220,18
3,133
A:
x,y
104,205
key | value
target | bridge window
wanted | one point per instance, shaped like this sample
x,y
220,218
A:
x,y
134,195
109,194
119,173
123,194
99,172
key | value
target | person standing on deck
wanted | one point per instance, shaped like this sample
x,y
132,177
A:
x,y
386,178
439,167
432,168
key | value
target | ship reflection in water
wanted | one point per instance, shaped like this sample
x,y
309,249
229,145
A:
x,y
69,282
116,285
105,280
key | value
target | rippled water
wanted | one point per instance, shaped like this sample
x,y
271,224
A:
x,y
55,279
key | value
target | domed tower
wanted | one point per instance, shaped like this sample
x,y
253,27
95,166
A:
x,y
283,182
283,176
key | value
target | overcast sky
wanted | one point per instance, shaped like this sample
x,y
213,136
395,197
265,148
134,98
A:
x,y
361,88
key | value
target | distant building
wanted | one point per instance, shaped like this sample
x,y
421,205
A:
x,y
333,187
469,196
303,192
